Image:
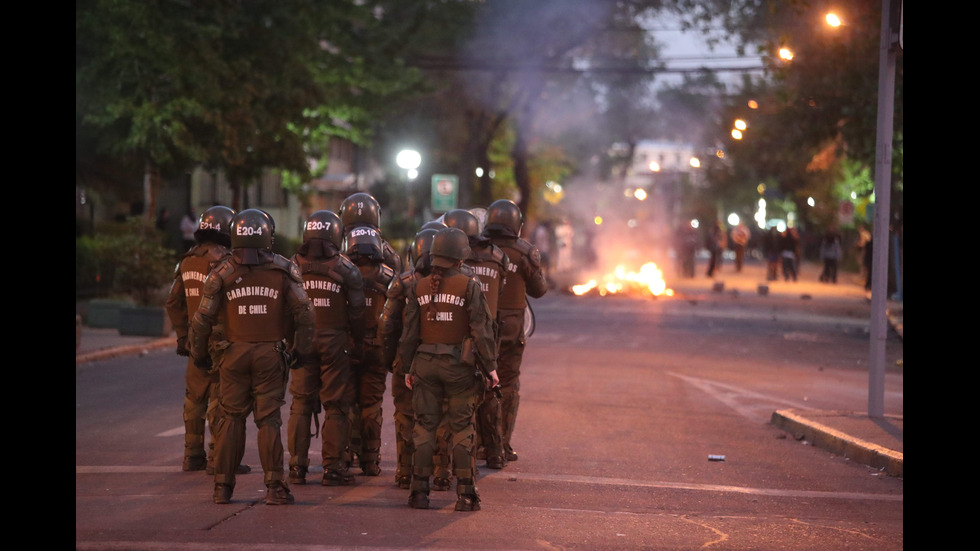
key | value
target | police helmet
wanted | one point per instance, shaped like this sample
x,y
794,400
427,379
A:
x,y
437,224
464,220
326,225
252,229
364,243
360,209
449,246
215,224
421,247
504,218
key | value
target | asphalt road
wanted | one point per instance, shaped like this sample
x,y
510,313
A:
x,y
624,401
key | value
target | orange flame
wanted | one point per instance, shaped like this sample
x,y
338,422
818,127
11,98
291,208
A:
x,y
649,280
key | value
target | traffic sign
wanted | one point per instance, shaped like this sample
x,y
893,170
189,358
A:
x,y
445,192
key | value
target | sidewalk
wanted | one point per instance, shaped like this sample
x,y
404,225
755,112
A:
x,y
877,442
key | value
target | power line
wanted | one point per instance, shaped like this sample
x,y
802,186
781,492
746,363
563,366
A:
x,y
449,65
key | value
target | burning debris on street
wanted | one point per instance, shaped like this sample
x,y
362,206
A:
x,y
648,281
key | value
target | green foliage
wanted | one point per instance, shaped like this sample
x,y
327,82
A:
x,y
131,259
86,267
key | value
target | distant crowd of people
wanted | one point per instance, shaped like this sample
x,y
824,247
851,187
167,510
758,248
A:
x,y
780,250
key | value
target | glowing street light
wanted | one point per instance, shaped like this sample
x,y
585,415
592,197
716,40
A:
x,y
409,160
833,20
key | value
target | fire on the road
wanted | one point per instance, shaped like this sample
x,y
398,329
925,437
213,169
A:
x,y
648,281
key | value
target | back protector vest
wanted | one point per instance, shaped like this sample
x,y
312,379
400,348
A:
x,y
445,317
324,284
254,304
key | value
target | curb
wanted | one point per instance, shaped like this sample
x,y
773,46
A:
x,y
837,442
130,350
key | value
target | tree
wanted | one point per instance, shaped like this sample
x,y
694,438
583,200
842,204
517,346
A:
x,y
138,66
240,86
817,112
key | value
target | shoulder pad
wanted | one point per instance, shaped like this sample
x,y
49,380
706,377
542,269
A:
x,y
524,246
386,274
225,269
222,273
345,264
529,250
397,286
288,266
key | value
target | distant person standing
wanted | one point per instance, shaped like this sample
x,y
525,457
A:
x,y
188,225
867,262
715,242
543,238
771,250
788,245
740,239
259,296
163,226
686,241
830,252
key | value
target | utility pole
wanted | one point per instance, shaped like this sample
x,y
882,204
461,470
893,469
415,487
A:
x,y
882,214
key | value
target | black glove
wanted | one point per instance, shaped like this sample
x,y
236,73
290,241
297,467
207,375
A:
x,y
182,347
204,363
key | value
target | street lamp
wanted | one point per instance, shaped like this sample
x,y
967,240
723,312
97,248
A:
x,y
410,160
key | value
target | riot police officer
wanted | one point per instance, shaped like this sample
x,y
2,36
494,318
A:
x,y
390,327
335,287
359,210
363,245
524,278
491,265
212,242
257,295
362,209
448,335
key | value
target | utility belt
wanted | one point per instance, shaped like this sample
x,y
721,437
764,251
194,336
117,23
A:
x,y
463,353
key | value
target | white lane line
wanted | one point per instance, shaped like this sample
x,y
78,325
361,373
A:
x,y
734,397
582,480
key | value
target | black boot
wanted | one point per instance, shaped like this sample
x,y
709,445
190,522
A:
x,y
467,498
419,498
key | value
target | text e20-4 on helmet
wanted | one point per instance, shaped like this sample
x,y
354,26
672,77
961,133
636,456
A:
x,y
252,229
